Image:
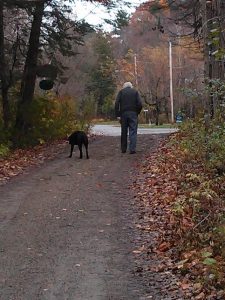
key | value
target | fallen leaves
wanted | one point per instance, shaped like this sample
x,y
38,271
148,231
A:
x,y
177,201
21,159
164,247
185,286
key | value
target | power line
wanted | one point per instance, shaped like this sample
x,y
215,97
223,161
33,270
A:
x,y
90,12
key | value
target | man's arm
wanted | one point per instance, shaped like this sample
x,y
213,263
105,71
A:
x,y
139,103
117,105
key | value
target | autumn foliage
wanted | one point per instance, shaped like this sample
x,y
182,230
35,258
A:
x,y
181,201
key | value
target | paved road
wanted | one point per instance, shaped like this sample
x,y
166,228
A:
x,y
110,130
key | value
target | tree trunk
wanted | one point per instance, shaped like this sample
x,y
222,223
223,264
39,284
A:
x,y
29,75
218,10
3,73
157,111
213,18
206,16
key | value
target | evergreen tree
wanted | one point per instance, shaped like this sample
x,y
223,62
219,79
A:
x,y
121,20
102,81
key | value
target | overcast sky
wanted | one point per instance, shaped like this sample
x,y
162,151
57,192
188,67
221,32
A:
x,y
95,13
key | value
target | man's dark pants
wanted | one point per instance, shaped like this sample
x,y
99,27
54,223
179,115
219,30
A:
x,y
129,120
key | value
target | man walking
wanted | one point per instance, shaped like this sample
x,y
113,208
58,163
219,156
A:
x,y
127,108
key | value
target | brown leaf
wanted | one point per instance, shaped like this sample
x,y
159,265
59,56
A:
x,y
200,296
164,247
185,286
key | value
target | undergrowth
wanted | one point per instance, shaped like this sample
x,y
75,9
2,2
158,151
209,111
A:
x,y
49,118
199,207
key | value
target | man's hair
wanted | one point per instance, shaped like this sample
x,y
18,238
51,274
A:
x,y
127,84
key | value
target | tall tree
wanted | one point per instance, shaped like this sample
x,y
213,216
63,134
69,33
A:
x,y
121,20
29,75
206,18
14,36
102,81
51,29
3,71
213,32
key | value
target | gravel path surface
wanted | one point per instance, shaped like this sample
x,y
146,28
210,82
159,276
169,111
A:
x,y
66,227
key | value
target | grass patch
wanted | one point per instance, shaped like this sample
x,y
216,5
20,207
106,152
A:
x,y
159,126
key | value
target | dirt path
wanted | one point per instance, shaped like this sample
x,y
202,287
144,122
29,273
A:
x,y
66,228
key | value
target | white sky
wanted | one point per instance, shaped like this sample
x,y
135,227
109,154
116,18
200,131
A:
x,y
94,13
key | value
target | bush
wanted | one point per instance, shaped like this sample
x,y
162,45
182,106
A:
x,y
108,108
86,113
4,150
4,140
198,212
49,118
205,140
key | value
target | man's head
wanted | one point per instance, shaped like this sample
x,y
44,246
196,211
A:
x,y
127,84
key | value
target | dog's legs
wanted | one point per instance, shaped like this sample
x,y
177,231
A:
x,y
86,147
81,153
71,150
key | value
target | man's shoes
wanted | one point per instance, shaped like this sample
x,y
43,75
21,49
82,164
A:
x,y
132,152
123,151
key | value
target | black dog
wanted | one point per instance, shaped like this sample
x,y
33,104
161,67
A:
x,y
78,138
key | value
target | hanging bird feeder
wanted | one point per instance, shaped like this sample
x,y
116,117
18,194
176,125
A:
x,y
48,73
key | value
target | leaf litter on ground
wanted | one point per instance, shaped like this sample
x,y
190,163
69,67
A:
x,y
176,215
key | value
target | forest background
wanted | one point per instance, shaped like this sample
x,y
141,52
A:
x,y
87,66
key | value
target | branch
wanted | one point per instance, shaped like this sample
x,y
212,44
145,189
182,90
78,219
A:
x,y
202,221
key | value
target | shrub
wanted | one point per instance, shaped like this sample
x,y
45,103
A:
x,y
86,113
205,140
49,118
4,140
4,150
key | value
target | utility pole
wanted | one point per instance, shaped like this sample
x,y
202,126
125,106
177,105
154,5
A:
x,y
171,82
135,69
178,95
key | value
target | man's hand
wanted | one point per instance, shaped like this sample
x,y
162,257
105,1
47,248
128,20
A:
x,y
119,119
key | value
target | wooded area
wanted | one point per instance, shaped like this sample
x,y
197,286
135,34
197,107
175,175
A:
x,y
58,74
92,64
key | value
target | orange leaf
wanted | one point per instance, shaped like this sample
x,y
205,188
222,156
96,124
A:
x,y
164,246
